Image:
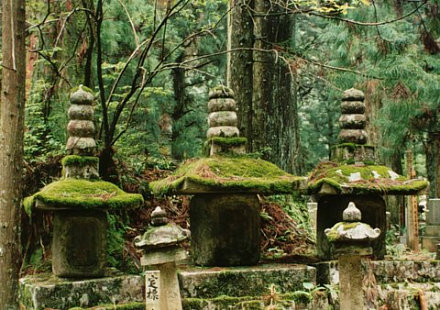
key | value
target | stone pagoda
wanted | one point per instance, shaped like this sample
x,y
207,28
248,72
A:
x,y
353,176
80,200
225,209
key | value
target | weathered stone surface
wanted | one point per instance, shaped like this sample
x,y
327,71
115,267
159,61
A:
x,y
45,291
79,244
244,281
353,94
225,229
222,149
223,131
353,153
433,216
222,104
85,172
222,118
81,128
221,92
80,145
81,96
81,112
350,121
357,136
162,256
352,107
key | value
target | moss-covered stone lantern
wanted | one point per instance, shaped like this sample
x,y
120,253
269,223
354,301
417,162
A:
x,y
225,209
351,240
352,175
80,199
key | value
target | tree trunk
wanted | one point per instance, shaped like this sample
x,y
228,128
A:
x,y
11,147
433,163
239,69
275,122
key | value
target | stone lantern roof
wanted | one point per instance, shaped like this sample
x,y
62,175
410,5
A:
x,y
222,174
331,178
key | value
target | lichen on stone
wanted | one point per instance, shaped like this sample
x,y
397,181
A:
x,y
362,179
72,193
229,174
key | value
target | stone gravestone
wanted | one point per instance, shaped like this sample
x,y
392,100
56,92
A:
x,y
431,237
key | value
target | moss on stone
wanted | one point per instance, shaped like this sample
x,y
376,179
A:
x,y
84,88
373,179
72,193
229,174
80,161
228,141
334,234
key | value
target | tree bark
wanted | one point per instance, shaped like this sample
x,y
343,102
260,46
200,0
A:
x,y
432,149
11,147
275,120
239,68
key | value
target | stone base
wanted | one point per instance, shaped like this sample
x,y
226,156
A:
x,y
242,281
46,291
353,153
225,229
79,244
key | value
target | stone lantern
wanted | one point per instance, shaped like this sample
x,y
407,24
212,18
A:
x,y
353,175
79,201
160,246
225,209
351,240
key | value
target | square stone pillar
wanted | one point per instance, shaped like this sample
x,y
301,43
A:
x,y
225,229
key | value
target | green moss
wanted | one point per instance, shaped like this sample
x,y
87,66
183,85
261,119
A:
x,y
333,234
84,88
373,179
225,141
83,194
81,161
237,174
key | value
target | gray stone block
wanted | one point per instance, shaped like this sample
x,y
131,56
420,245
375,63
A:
x,y
46,291
79,244
225,229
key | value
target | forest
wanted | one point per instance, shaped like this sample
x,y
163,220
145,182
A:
x,y
150,66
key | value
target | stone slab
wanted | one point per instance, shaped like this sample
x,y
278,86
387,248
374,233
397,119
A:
x,y
385,271
430,243
432,230
433,216
242,281
46,291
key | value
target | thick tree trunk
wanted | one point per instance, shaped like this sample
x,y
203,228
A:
x,y
11,147
239,70
433,164
275,122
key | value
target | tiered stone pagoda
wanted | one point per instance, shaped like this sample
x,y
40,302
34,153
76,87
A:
x,y
352,175
225,210
80,200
